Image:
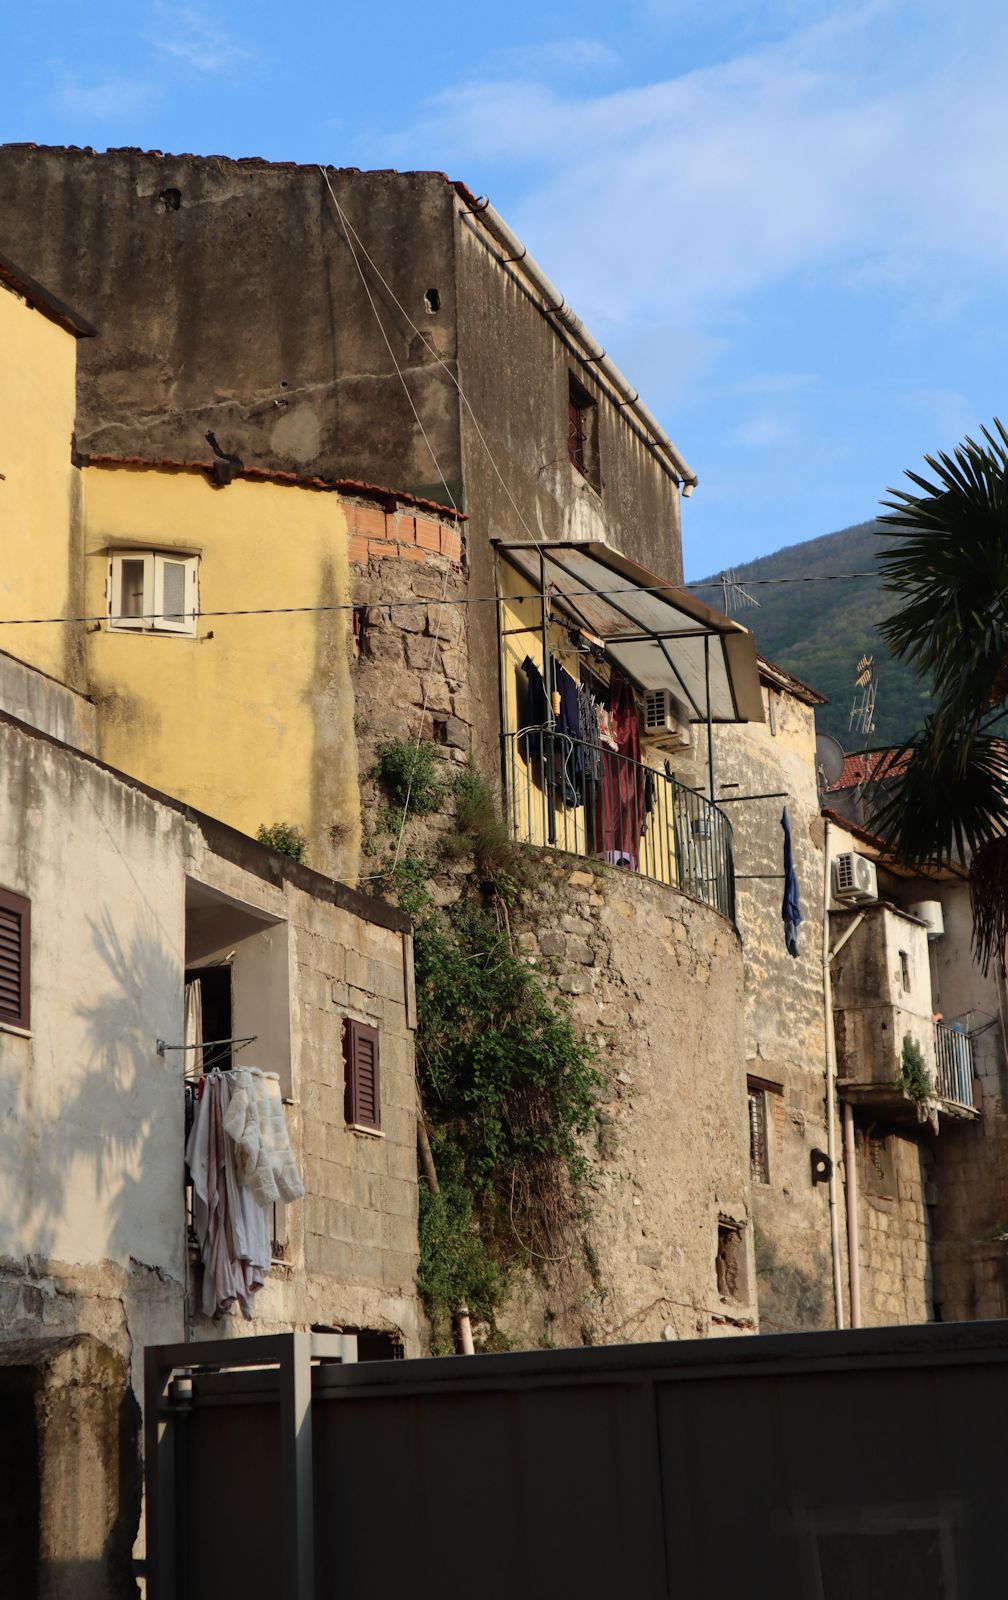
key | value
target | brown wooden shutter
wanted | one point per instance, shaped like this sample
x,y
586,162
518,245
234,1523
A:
x,y
362,1095
15,946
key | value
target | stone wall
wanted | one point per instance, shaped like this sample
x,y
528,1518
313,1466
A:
x,y
69,1471
895,1229
783,997
409,651
656,981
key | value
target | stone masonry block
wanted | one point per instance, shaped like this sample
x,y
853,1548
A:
x,y
398,1270
400,1234
360,971
389,981
420,652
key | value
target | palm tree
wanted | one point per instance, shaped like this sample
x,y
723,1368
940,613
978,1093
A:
x,y
948,566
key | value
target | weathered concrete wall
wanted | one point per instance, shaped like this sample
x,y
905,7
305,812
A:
x,y
227,299
656,981
515,370
47,704
971,1160
69,1471
92,1225
39,488
877,1002
251,719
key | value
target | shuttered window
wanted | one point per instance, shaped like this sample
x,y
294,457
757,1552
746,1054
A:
x,y
15,943
362,1095
759,1147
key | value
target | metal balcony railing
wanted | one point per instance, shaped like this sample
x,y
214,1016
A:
x,y
592,802
954,1060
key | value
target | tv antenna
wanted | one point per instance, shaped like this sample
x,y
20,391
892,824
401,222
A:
x,y
862,713
736,596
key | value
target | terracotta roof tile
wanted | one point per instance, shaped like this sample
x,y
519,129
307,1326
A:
x,y
349,486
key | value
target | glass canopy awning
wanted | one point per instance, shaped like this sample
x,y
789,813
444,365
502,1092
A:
x,y
658,635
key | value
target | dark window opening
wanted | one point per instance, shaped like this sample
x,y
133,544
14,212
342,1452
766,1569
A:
x,y
169,199
440,727
904,961
377,1344
432,300
215,997
582,431
729,1263
15,957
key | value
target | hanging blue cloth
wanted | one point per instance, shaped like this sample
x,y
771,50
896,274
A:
x,y
791,905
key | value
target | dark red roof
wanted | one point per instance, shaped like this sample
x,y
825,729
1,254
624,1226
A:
x,y
869,765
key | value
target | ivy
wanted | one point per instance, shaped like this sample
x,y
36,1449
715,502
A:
x,y
508,1085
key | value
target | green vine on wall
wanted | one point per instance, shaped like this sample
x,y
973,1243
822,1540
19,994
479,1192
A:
x,y
508,1085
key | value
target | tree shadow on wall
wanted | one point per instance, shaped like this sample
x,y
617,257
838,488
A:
x,y
120,1119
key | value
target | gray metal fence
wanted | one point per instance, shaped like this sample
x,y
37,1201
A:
x,y
954,1058
591,801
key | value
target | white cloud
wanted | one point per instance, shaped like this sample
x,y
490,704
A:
x,y
105,99
190,37
862,141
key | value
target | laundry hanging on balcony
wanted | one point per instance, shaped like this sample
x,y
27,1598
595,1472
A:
x,y
232,1230
241,1161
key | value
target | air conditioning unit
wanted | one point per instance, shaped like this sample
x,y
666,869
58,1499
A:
x,y
855,879
666,721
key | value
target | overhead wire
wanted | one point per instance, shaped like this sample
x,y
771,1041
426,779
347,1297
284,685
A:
x,y
443,601
447,489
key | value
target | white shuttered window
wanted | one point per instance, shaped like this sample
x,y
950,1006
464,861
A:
x,y
152,592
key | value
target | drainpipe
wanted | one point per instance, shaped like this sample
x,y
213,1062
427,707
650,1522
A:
x,y
556,306
853,1248
831,1143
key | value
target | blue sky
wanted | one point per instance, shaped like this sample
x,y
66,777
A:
x,y
787,222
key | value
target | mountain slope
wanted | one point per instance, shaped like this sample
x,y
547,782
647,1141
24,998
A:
x,y
820,630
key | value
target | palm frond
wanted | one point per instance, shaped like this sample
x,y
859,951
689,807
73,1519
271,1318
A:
x,y
950,801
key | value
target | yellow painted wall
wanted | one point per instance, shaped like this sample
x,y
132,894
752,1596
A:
x,y
251,721
38,569
526,802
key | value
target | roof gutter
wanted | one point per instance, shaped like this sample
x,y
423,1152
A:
x,y
556,306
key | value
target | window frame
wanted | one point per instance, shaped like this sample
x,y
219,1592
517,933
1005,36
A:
x,y
354,1033
20,906
756,1093
583,432
154,619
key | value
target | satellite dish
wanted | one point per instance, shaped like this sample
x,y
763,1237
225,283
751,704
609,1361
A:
x,y
830,758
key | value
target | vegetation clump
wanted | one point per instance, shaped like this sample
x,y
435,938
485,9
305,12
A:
x,y
508,1086
914,1077
408,772
286,838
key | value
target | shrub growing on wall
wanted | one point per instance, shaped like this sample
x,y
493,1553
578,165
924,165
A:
x,y
286,838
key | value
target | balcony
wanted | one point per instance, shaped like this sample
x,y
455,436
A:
x,y
954,1066
590,801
